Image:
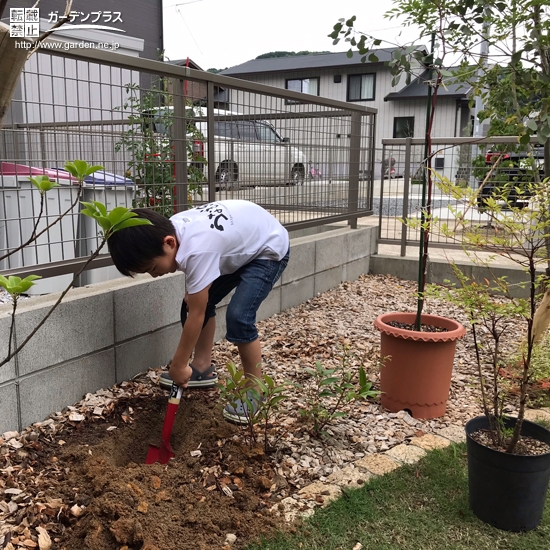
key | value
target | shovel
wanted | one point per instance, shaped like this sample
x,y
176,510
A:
x,y
164,453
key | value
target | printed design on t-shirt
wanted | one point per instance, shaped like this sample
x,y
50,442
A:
x,y
215,213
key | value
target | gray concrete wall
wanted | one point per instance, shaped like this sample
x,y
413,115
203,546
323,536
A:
x,y
440,271
109,332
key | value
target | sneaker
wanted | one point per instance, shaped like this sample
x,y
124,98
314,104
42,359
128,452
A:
x,y
240,413
206,379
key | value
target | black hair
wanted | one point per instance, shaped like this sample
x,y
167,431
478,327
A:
x,y
133,249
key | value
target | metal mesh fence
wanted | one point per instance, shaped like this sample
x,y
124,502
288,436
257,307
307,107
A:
x,y
494,167
168,138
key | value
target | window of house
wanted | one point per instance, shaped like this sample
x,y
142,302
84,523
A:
x,y
304,85
403,126
361,87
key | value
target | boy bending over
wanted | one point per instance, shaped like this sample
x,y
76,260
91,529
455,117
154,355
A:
x,y
221,246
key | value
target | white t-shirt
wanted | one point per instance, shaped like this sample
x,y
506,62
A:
x,y
220,237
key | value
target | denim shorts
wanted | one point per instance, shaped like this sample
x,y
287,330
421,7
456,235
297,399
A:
x,y
252,283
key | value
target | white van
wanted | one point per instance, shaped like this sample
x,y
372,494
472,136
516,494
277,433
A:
x,y
247,153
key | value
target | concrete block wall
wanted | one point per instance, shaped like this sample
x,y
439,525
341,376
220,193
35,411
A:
x,y
109,332
439,271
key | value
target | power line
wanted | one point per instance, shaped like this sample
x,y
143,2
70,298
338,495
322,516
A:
x,y
181,4
187,26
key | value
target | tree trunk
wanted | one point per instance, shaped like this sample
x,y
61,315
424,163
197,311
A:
x,y
12,61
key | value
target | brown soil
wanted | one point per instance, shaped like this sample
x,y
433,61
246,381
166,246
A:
x,y
526,446
116,502
411,326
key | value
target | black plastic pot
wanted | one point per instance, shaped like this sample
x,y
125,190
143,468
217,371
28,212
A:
x,y
507,491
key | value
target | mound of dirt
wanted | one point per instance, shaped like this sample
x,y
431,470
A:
x,y
215,487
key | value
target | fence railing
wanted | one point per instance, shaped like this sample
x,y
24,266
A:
x,y
463,161
169,137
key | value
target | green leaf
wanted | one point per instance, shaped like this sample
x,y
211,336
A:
x,y
101,207
350,53
328,381
276,400
104,222
531,124
89,205
132,222
91,169
116,215
80,169
15,285
43,183
525,139
516,57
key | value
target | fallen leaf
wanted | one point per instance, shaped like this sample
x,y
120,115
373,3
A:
x,y
44,540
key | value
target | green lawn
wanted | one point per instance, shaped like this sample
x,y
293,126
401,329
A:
x,y
420,507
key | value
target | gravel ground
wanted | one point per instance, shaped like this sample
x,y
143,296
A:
x,y
319,331
316,331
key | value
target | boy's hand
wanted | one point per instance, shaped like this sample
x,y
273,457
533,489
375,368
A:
x,y
180,375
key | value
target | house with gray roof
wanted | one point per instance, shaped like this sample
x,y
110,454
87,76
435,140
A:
x,y
401,108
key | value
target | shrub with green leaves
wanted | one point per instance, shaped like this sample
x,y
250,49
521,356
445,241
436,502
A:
x,y
492,304
330,389
266,394
152,163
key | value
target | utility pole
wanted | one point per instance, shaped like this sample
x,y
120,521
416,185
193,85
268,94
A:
x,y
478,129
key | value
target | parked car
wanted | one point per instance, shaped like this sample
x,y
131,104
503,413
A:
x,y
247,152
512,170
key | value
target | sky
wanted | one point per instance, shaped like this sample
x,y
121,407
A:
x,y
224,33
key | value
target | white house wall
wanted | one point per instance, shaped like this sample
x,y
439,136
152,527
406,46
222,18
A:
x,y
446,122
54,90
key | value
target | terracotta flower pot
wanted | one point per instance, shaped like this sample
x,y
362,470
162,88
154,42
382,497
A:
x,y
417,366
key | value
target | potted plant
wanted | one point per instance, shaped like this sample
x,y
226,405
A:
x,y
417,350
508,457
497,495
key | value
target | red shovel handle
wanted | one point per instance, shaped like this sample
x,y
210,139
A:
x,y
173,403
